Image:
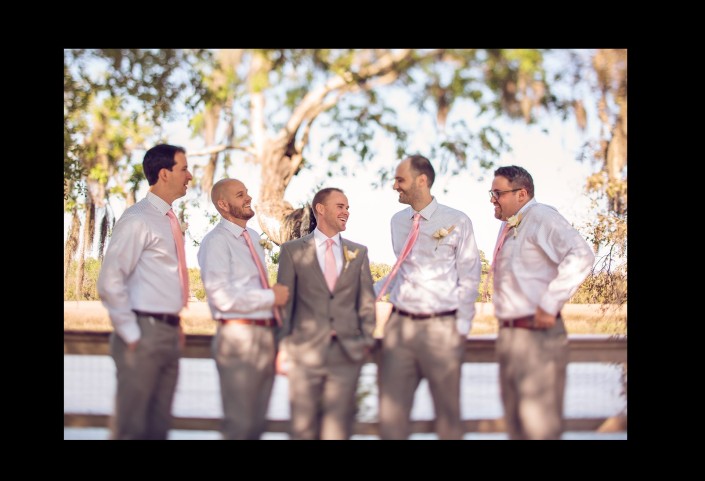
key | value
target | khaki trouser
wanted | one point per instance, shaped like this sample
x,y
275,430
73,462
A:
x,y
244,356
146,381
412,350
532,373
322,398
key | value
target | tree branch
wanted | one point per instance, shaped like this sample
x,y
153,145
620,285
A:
x,y
214,149
312,99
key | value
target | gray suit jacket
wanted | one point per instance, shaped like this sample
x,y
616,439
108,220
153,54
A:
x,y
312,311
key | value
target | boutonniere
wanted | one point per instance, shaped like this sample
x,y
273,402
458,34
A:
x,y
441,233
514,222
266,244
349,256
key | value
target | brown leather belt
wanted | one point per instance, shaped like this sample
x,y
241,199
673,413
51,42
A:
x,y
250,322
170,319
424,316
526,322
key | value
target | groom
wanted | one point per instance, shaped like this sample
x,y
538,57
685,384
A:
x,y
328,321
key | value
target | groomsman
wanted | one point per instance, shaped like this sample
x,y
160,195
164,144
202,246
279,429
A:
x,y
433,294
540,260
143,283
241,301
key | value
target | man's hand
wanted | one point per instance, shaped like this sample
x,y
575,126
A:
x,y
281,294
544,320
281,363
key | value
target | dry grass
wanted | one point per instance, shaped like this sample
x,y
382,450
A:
x,y
579,318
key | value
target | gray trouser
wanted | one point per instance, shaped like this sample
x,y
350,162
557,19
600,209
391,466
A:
x,y
244,356
416,349
322,398
532,373
146,381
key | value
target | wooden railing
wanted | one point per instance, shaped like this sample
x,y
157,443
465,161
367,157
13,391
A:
x,y
583,348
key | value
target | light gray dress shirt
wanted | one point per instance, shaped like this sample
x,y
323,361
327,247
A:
x,y
543,265
230,276
140,268
337,248
439,274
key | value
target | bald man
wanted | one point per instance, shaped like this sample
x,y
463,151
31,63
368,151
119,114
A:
x,y
241,302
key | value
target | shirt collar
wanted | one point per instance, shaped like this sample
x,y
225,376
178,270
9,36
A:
x,y
427,211
321,238
523,210
235,229
158,203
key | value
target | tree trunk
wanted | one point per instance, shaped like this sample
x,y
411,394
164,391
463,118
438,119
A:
x,y
88,232
71,243
277,217
103,234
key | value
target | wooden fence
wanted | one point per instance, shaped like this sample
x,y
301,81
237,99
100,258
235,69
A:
x,y
583,348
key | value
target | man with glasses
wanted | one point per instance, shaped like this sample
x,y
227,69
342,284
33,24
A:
x,y
539,262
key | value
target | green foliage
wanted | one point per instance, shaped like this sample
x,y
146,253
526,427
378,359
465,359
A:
x,y
485,291
89,290
379,270
196,284
602,288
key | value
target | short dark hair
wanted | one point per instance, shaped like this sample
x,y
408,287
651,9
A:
x,y
321,197
518,177
421,165
157,158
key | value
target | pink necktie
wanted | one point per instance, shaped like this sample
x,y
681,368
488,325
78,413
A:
x,y
331,271
413,235
497,247
262,274
180,253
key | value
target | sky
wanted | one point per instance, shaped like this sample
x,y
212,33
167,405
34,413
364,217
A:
x,y
548,150
549,157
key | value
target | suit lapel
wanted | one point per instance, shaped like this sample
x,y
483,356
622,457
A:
x,y
344,271
310,252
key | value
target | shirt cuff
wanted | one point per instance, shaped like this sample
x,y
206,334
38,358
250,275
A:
x,y
463,326
129,332
551,306
269,296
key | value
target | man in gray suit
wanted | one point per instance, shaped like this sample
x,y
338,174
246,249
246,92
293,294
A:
x,y
328,321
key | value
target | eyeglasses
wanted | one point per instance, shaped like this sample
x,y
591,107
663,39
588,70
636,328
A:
x,y
494,194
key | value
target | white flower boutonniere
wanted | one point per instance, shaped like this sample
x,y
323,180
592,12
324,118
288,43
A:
x,y
514,222
441,233
349,256
266,244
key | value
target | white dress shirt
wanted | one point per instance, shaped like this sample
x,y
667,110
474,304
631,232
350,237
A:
x,y
438,275
140,269
230,275
542,266
321,246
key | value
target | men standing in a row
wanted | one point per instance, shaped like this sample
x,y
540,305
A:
x,y
240,300
143,283
328,321
433,290
539,262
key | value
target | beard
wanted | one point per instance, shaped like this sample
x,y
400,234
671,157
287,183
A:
x,y
241,213
405,198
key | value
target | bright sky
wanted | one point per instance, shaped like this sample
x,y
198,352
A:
x,y
550,158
